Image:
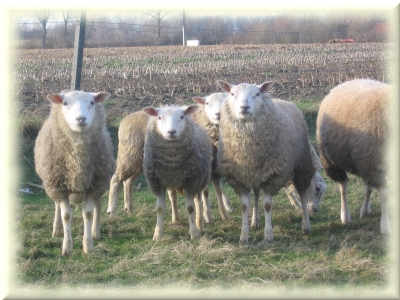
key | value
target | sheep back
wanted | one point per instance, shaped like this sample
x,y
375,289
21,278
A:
x,y
131,136
352,130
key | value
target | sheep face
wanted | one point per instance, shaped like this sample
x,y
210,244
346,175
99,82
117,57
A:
x,y
78,108
171,120
212,105
244,99
317,190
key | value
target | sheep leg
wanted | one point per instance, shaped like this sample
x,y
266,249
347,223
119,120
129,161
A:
x,y
385,222
293,199
57,224
244,233
87,213
115,183
189,205
227,202
128,198
199,216
96,219
173,197
255,218
305,221
366,209
216,181
267,204
344,208
66,216
206,206
159,231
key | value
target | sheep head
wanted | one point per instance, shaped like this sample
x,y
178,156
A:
x,y
78,108
212,105
316,192
244,99
171,120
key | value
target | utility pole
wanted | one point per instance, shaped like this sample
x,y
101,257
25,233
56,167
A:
x,y
183,28
79,44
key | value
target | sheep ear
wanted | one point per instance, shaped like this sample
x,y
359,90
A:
x,y
266,86
199,100
191,109
151,111
101,96
225,86
56,98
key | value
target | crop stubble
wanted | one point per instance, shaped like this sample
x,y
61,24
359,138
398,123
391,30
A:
x,y
143,76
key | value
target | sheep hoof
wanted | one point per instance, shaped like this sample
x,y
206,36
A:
x,y
306,230
255,226
157,235
230,209
268,240
194,234
364,214
57,234
66,252
88,250
386,232
208,220
243,242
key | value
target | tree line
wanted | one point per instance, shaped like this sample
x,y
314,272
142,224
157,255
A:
x,y
161,27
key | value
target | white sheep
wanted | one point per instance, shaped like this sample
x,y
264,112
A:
x,y
263,147
131,135
73,157
316,189
208,117
177,155
352,135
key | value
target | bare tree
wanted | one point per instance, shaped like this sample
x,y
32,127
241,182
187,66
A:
x,y
43,16
67,15
158,15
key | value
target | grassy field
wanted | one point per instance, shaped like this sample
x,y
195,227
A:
x,y
333,255
335,258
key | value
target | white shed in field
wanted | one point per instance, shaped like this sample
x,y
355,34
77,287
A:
x,y
193,42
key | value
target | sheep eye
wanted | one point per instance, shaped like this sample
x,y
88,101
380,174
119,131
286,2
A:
x,y
65,103
206,103
182,117
258,94
159,118
91,102
232,94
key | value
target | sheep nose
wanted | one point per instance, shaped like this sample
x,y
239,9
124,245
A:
x,y
244,108
218,115
171,132
81,119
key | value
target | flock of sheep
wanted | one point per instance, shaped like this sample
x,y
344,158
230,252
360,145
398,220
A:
x,y
242,134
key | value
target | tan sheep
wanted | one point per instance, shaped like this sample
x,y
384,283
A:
x,y
352,135
73,157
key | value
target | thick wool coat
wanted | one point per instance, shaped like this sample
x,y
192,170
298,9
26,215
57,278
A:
x,y
69,162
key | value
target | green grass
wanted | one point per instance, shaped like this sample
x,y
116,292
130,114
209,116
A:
x,y
334,256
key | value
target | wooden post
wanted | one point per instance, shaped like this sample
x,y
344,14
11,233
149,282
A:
x,y
183,28
79,44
